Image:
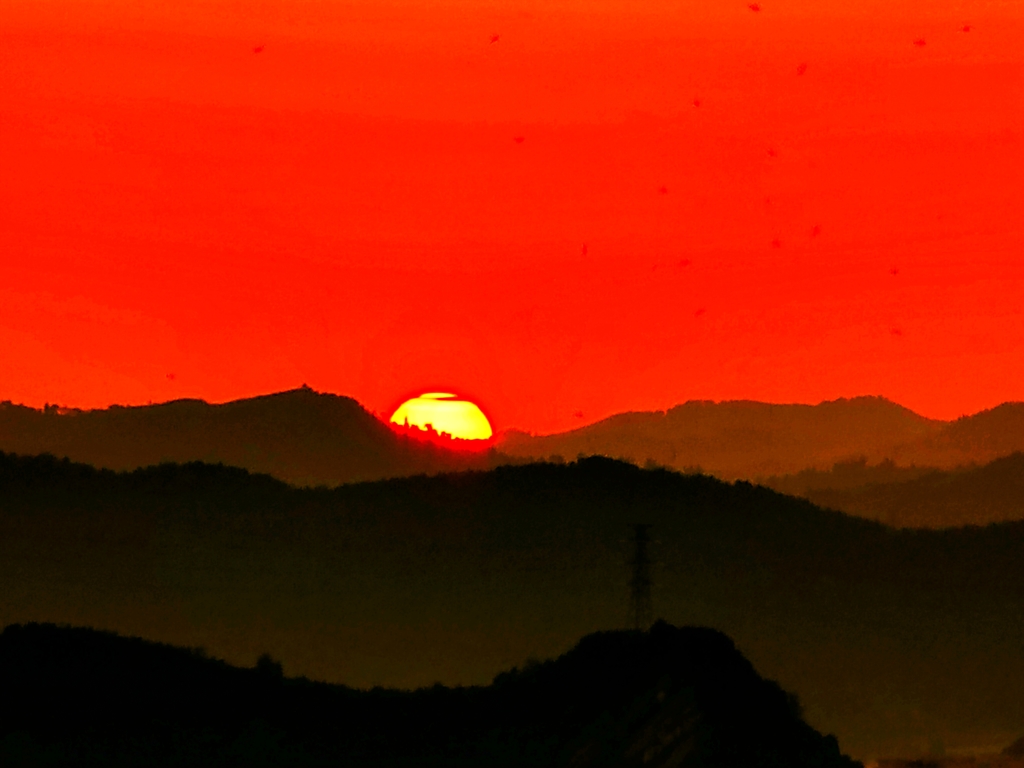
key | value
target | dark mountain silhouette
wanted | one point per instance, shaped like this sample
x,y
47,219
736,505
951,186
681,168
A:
x,y
978,438
310,438
982,760
750,440
301,436
740,439
893,639
844,476
1004,759
1016,749
915,496
667,697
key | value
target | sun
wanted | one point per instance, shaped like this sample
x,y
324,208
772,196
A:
x,y
444,412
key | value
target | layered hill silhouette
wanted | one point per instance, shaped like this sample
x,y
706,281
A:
x,y
667,697
848,476
300,436
916,496
751,440
309,438
893,639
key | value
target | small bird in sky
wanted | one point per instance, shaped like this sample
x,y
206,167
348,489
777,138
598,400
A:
x,y
965,28
776,243
662,190
584,249
920,42
170,376
578,414
519,139
772,152
258,49
696,102
896,331
801,68
754,7
494,38
699,312
815,230
684,262
894,271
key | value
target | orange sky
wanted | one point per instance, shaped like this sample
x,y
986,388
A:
x,y
615,205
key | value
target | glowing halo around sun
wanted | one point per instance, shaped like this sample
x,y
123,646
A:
x,y
444,412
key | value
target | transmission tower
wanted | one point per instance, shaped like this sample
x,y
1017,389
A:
x,y
641,613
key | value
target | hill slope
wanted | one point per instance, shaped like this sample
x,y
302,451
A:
x,y
1016,749
669,697
985,435
925,499
310,438
749,440
301,436
741,439
893,639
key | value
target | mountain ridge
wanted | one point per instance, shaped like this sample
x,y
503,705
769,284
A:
x,y
891,638
308,438
919,497
301,436
670,696
745,439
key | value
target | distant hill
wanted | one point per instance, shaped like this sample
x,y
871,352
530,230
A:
x,y
978,438
309,438
749,440
845,476
301,436
668,697
893,640
917,497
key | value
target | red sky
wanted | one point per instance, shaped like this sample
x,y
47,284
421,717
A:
x,y
618,204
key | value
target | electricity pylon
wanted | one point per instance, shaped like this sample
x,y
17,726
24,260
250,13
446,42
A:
x,y
641,611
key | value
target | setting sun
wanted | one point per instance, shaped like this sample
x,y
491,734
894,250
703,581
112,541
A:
x,y
444,412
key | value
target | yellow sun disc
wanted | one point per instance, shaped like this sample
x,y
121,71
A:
x,y
444,412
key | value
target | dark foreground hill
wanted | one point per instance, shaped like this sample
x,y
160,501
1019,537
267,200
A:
x,y
750,440
1016,749
302,437
917,497
667,697
894,640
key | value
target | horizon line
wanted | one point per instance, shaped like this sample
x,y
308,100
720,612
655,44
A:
x,y
384,418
